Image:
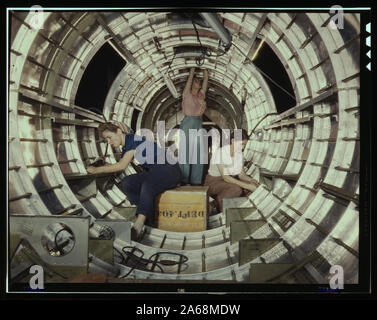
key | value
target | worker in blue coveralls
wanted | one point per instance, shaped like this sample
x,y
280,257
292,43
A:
x,y
140,188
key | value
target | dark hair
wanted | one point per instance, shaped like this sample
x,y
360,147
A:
x,y
244,134
107,126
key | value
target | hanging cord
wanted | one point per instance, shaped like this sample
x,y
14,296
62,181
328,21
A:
x,y
158,47
138,262
205,51
221,51
267,76
171,62
106,233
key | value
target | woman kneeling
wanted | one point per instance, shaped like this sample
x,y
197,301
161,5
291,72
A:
x,y
141,188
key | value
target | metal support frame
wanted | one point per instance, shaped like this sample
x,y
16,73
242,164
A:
x,y
119,45
72,109
218,27
305,105
340,193
288,122
259,27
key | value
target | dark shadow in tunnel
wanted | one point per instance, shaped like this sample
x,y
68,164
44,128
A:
x,y
135,116
269,63
49,197
98,77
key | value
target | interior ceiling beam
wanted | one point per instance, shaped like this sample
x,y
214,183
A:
x,y
305,105
259,27
218,27
73,109
288,122
118,44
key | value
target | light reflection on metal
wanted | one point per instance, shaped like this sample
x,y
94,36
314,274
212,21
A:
x,y
258,49
170,85
117,50
219,28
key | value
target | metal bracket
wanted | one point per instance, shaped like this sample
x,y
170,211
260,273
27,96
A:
x,y
32,229
240,229
249,249
121,228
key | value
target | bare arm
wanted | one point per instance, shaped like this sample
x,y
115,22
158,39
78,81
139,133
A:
x,y
205,81
116,167
244,177
189,81
240,183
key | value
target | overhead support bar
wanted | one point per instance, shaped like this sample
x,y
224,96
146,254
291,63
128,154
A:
x,y
259,27
187,51
117,49
115,42
297,120
73,109
218,27
287,123
290,177
72,122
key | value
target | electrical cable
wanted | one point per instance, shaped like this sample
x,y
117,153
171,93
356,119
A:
x,y
59,247
106,233
200,60
206,51
267,76
171,61
138,262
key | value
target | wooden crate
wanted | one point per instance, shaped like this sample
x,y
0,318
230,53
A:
x,y
183,209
